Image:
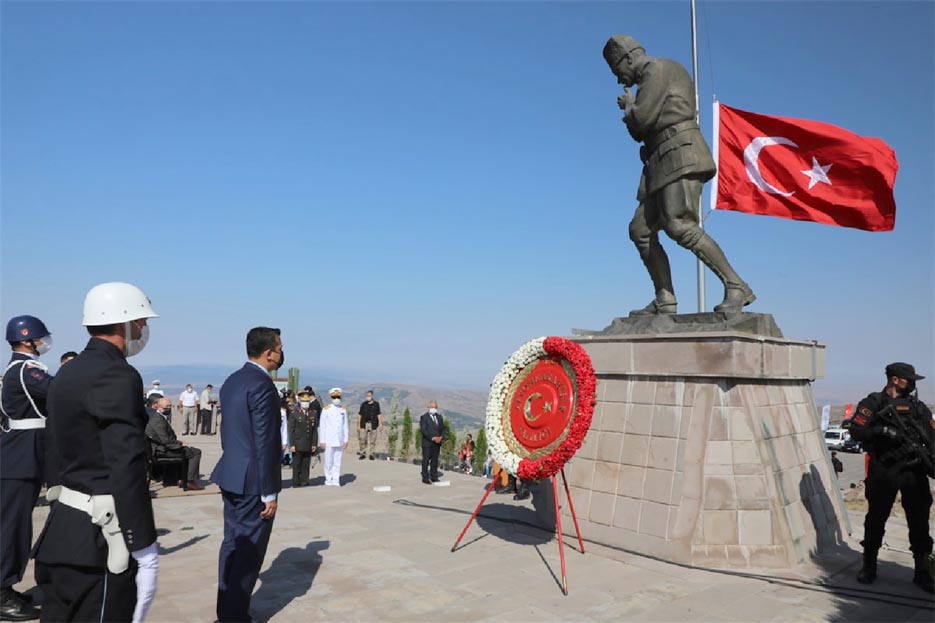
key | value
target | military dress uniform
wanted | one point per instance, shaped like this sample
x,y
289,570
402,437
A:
x,y
96,413
893,470
22,461
303,434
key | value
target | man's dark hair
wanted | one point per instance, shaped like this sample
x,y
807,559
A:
x,y
103,329
69,355
261,339
209,386
152,399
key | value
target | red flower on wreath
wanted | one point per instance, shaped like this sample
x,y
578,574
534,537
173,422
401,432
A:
x,y
550,464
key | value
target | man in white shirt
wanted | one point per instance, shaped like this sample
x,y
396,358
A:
x,y
188,403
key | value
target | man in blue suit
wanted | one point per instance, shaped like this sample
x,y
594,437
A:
x,y
248,472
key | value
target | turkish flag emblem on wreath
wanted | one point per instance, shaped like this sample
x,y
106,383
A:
x,y
802,170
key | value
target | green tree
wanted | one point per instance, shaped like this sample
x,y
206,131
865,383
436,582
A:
x,y
448,445
406,441
392,437
480,451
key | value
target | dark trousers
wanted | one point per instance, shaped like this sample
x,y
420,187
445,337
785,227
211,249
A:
x,y
301,464
430,460
882,484
17,499
204,417
86,593
246,536
192,461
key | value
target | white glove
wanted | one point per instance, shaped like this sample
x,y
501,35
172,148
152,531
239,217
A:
x,y
148,561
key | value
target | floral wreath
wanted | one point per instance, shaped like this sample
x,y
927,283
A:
x,y
584,385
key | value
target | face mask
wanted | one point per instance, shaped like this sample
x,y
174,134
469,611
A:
x,y
910,387
135,346
369,398
282,359
43,345
167,411
335,401
305,404
433,411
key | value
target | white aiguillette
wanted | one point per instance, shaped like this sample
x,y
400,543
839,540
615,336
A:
x,y
383,489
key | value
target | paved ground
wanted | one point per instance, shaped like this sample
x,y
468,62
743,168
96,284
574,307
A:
x,y
352,554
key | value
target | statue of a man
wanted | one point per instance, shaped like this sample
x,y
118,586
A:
x,y
676,163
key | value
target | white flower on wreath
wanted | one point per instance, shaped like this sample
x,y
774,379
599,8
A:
x,y
524,355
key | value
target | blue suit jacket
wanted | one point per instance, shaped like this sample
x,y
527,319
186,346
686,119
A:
x,y
250,442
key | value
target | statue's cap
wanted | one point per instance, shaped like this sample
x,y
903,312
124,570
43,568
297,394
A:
x,y
619,46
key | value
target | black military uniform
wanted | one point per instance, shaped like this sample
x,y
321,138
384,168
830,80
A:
x,y
303,435
96,404
894,469
22,466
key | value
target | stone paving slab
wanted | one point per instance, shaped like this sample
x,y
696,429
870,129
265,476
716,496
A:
x,y
352,554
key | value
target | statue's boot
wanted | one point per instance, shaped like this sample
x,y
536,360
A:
x,y
657,264
737,293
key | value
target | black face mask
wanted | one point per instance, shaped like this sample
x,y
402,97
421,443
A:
x,y
167,411
282,359
910,387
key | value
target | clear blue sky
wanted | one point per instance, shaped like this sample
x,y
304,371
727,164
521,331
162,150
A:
x,y
411,190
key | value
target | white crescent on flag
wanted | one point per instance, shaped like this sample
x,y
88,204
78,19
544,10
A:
x,y
751,155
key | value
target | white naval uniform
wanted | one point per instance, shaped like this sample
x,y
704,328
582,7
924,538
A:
x,y
332,432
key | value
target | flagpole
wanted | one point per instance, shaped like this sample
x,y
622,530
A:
x,y
700,266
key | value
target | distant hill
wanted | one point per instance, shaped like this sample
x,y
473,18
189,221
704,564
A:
x,y
464,408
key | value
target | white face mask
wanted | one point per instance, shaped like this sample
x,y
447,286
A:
x,y
335,401
304,404
433,410
43,345
135,346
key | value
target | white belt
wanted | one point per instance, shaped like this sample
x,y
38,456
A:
x,y
103,512
27,424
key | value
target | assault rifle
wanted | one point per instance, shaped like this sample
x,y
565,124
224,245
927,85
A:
x,y
916,442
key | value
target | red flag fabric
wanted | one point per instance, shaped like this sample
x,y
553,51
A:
x,y
803,170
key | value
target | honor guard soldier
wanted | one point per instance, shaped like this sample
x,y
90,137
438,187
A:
x,y
97,551
896,430
22,456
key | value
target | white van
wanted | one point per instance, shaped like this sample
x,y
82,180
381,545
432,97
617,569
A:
x,y
840,439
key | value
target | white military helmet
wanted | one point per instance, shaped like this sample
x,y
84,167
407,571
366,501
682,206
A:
x,y
111,303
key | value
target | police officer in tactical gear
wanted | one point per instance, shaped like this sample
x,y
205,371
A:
x,y
97,551
22,456
896,467
676,164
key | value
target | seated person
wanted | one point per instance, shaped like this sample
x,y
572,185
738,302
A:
x,y
159,431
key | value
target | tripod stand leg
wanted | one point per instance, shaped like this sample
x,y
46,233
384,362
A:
x,y
558,526
474,514
571,507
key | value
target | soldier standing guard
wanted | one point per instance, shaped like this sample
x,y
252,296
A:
x,y
22,456
896,467
97,551
676,164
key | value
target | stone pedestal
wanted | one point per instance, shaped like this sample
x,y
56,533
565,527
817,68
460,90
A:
x,y
706,449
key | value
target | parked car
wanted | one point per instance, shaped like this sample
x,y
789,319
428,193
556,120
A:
x,y
840,439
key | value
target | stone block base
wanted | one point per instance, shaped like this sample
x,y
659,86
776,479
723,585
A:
x,y
706,449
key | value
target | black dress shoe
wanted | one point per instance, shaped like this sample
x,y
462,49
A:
x,y
361,457
371,457
434,479
13,608
426,481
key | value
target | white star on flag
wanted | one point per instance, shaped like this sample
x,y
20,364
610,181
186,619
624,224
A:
x,y
817,173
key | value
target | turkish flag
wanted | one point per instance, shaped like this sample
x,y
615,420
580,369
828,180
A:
x,y
803,170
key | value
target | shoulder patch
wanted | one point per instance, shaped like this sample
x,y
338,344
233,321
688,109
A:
x,y
864,411
37,375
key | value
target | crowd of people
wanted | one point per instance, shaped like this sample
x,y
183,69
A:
x,y
89,434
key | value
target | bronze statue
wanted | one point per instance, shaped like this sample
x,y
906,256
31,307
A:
x,y
676,163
